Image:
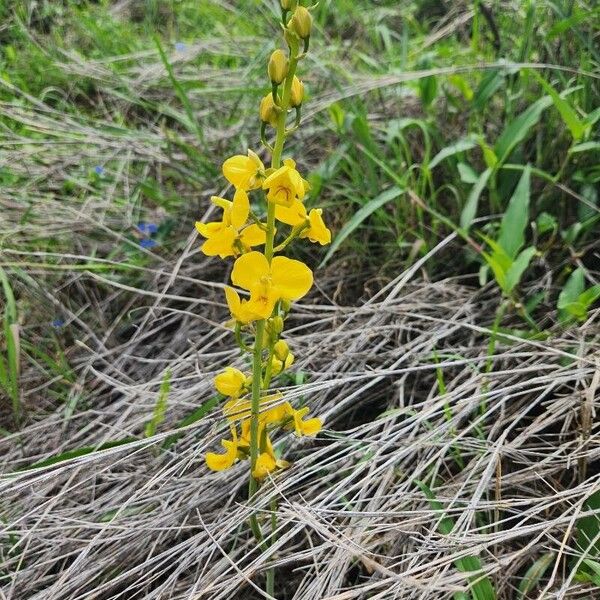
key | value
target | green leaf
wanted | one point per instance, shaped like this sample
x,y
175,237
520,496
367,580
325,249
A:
x,y
514,274
546,222
584,147
70,454
360,215
588,528
490,83
518,129
160,408
567,113
466,173
572,288
535,572
514,221
456,148
469,211
194,416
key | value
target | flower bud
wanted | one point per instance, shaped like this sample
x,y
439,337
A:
x,y
297,94
301,22
278,66
268,110
281,350
288,4
275,325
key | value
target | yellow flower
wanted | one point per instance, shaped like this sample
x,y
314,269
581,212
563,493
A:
x,y
297,95
237,307
237,408
317,230
281,349
228,237
291,215
244,172
285,184
265,464
308,427
283,279
220,462
230,382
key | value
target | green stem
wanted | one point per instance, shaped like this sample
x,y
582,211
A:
x,y
260,326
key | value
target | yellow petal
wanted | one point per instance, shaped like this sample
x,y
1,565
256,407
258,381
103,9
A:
x,y
253,235
262,301
221,202
221,243
240,209
292,215
265,464
249,269
311,426
241,171
239,309
291,278
220,462
317,232
208,229
230,382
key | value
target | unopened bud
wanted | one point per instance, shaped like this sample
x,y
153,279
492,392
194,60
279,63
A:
x,y
278,66
285,305
268,110
301,22
297,95
281,350
276,325
288,4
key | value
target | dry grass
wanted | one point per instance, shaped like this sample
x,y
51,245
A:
x,y
138,522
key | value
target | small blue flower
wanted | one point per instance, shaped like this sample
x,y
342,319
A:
x,y
58,323
99,170
180,47
148,243
148,228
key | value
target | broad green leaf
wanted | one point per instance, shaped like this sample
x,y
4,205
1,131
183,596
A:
x,y
469,211
588,528
546,222
360,215
514,274
514,221
590,296
572,288
567,113
518,129
535,572
463,87
456,148
467,174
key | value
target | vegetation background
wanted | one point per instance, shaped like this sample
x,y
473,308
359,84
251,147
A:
x,y
451,344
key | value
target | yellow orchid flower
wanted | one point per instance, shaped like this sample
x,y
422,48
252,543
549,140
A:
x,y
291,215
301,427
226,237
238,307
317,230
265,464
244,172
285,184
220,462
237,408
230,382
283,279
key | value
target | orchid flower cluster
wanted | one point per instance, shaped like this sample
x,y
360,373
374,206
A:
x,y
266,213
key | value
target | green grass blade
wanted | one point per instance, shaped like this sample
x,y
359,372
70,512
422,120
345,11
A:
x,y
160,408
469,211
368,209
534,574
